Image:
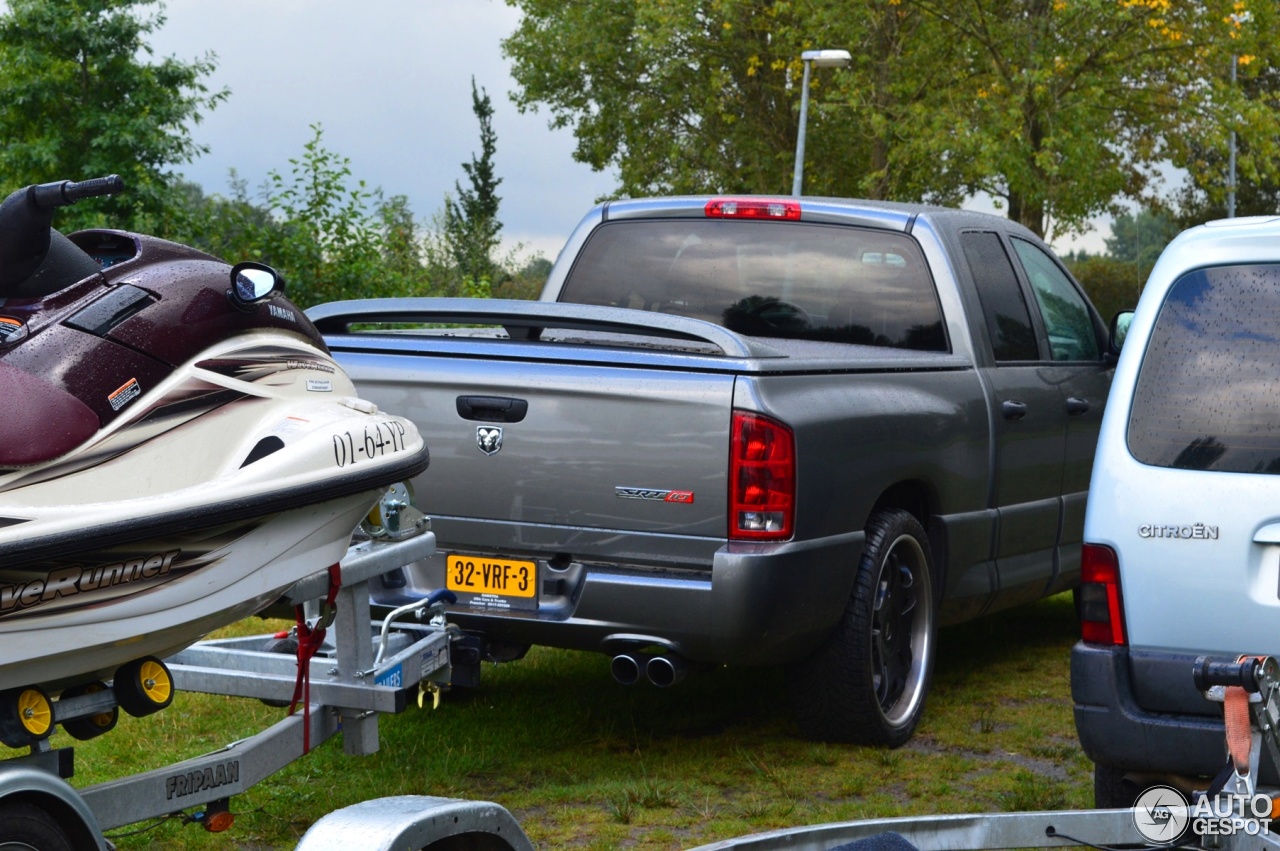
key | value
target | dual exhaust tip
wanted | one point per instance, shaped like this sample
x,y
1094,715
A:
x,y
662,671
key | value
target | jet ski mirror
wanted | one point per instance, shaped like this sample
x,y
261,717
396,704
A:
x,y
253,283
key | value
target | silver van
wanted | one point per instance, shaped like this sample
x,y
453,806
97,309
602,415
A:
x,y
1182,530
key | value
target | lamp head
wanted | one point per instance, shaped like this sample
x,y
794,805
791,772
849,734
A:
x,y
827,58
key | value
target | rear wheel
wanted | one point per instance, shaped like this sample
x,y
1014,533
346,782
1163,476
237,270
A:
x,y
26,716
868,683
26,827
143,686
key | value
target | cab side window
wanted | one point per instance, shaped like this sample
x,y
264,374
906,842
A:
x,y
1003,305
1066,316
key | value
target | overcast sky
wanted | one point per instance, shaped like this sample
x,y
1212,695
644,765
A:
x,y
390,83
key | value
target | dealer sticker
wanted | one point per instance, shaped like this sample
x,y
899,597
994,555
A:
x,y
319,385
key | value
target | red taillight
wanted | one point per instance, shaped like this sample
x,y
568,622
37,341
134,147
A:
x,y
1101,615
762,479
752,208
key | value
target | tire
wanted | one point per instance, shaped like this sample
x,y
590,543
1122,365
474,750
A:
x,y
1110,790
89,726
143,686
285,647
26,827
867,684
26,716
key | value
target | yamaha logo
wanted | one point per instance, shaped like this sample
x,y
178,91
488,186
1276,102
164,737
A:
x,y
489,439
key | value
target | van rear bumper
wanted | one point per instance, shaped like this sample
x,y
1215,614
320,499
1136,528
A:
x,y
1111,688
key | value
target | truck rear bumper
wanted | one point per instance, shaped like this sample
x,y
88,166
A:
x,y
758,604
1109,686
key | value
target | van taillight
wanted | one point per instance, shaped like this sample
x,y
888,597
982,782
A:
x,y
1101,615
762,479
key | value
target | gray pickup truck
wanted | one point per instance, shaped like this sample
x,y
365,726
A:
x,y
752,431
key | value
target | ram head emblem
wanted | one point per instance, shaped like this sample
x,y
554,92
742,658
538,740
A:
x,y
489,439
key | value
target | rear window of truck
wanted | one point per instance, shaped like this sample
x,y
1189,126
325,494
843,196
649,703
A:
x,y
1208,392
768,279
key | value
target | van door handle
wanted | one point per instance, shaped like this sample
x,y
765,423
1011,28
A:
x,y
492,409
1012,409
1076,407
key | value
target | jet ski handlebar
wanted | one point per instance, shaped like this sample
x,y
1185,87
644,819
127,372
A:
x,y
60,193
26,222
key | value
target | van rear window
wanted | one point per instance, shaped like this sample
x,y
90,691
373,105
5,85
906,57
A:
x,y
1208,391
792,280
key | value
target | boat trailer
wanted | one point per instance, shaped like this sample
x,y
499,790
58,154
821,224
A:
x,y
360,670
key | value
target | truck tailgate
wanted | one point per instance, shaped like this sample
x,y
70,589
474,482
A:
x,y
601,447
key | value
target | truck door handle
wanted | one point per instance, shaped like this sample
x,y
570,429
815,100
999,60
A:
x,y
1013,410
1076,407
492,409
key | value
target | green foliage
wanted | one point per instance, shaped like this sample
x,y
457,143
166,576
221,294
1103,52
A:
x,y
327,241
1114,281
329,235
1113,285
401,264
231,228
333,238
680,97
79,99
527,281
1140,239
1056,108
471,223
1204,195
1062,106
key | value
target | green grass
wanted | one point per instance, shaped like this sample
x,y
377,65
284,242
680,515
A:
x,y
584,763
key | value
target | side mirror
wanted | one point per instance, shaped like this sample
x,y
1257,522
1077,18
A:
x,y
1119,330
253,283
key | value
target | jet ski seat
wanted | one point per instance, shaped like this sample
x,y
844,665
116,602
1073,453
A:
x,y
39,421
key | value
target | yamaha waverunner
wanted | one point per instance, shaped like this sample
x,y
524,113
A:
x,y
177,447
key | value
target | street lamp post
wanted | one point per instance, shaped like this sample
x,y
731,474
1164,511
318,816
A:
x,y
1231,163
1238,20
820,59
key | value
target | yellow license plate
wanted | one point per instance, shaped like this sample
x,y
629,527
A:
x,y
487,575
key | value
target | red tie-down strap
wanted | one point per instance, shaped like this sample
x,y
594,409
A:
x,y
310,640
1235,715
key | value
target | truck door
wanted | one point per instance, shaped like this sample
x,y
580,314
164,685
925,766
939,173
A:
x,y
1083,380
1029,426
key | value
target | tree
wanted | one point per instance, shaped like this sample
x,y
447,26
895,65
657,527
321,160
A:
x,y
682,96
331,238
233,228
1140,238
1074,103
78,100
1203,196
328,241
1058,108
401,266
1113,285
471,223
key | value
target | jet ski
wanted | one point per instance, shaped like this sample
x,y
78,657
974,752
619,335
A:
x,y
177,447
